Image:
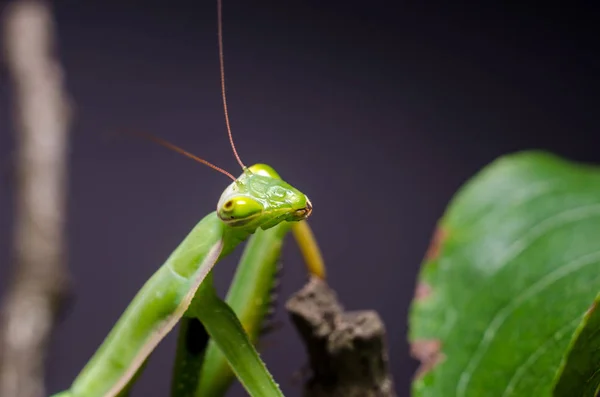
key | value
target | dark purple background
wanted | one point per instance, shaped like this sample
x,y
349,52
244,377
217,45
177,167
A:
x,y
377,110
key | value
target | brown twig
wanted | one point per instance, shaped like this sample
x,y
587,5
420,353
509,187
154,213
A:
x,y
347,350
41,120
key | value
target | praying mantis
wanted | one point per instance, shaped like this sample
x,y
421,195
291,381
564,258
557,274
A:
x,y
258,206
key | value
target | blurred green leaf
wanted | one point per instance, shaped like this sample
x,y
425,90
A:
x,y
580,372
513,267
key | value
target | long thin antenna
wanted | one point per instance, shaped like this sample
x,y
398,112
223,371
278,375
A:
x,y
179,150
222,62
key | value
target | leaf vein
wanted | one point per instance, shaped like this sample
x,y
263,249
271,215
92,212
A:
x,y
503,314
520,371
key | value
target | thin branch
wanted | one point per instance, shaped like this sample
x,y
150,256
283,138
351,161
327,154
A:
x,y
41,120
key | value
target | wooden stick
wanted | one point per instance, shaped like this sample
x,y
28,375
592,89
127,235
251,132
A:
x,y
347,350
39,272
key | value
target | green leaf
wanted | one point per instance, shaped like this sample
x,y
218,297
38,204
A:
x,y
580,371
512,270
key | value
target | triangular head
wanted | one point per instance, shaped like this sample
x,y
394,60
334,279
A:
x,y
260,198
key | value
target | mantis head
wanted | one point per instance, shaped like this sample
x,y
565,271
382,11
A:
x,y
260,198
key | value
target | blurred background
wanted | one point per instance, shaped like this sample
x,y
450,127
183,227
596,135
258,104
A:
x,y
378,111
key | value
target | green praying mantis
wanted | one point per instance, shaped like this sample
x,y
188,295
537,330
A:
x,y
258,206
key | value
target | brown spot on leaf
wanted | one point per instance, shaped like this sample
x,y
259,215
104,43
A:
x,y
434,246
422,291
591,309
428,352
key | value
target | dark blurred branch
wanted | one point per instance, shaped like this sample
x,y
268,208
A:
x,y
347,350
41,120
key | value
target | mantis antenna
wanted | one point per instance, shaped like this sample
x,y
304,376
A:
x,y
222,67
179,150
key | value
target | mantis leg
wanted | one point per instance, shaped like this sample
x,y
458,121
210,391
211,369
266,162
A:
x,y
249,297
127,389
225,329
310,249
156,308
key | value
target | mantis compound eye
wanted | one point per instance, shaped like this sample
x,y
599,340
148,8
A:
x,y
239,208
264,170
